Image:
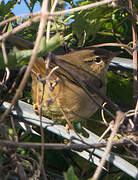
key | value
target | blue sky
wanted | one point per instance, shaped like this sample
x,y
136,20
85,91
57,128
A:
x,y
22,8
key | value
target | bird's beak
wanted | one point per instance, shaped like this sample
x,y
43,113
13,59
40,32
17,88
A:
x,y
115,54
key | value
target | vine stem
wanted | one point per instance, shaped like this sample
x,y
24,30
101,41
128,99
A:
x,y
135,53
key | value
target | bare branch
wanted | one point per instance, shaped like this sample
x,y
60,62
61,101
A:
x,y
115,44
19,28
119,118
60,146
4,52
19,16
82,8
49,22
135,53
30,65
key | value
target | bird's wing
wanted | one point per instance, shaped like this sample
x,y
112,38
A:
x,y
68,71
75,74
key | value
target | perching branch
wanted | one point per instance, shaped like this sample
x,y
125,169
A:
x,y
135,62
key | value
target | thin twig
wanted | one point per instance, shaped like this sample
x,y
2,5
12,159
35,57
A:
x,y
4,52
19,28
135,62
102,114
17,17
42,130
131,113
40,166
135,116
6,76
30,65
37,18
106,131
58,13
82,8
49,22
14,129
42,26
135,53
119,118
19,42
115,44
61,146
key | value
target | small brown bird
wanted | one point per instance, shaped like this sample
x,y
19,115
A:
x,y
64,84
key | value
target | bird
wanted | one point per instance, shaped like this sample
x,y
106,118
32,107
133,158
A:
x,y
61,83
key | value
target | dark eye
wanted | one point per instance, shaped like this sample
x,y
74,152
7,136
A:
x,y
93,59
97,60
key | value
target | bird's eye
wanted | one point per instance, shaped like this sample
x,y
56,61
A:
x,y
93,59
97,59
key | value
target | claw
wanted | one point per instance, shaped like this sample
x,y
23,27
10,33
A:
x,y
36,108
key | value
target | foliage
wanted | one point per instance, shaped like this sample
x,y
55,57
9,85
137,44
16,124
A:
x,y
20,58
116,84
70,175
92,26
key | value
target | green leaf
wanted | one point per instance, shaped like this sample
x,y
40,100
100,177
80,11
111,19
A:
x,y
6,9
120,89
68,18
90,21
19,58
108,25
120,29
70,175
9,27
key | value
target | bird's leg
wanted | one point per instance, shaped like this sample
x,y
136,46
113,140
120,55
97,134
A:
x,y
68,125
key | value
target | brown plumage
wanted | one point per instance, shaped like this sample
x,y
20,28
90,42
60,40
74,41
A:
x,y
64,90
